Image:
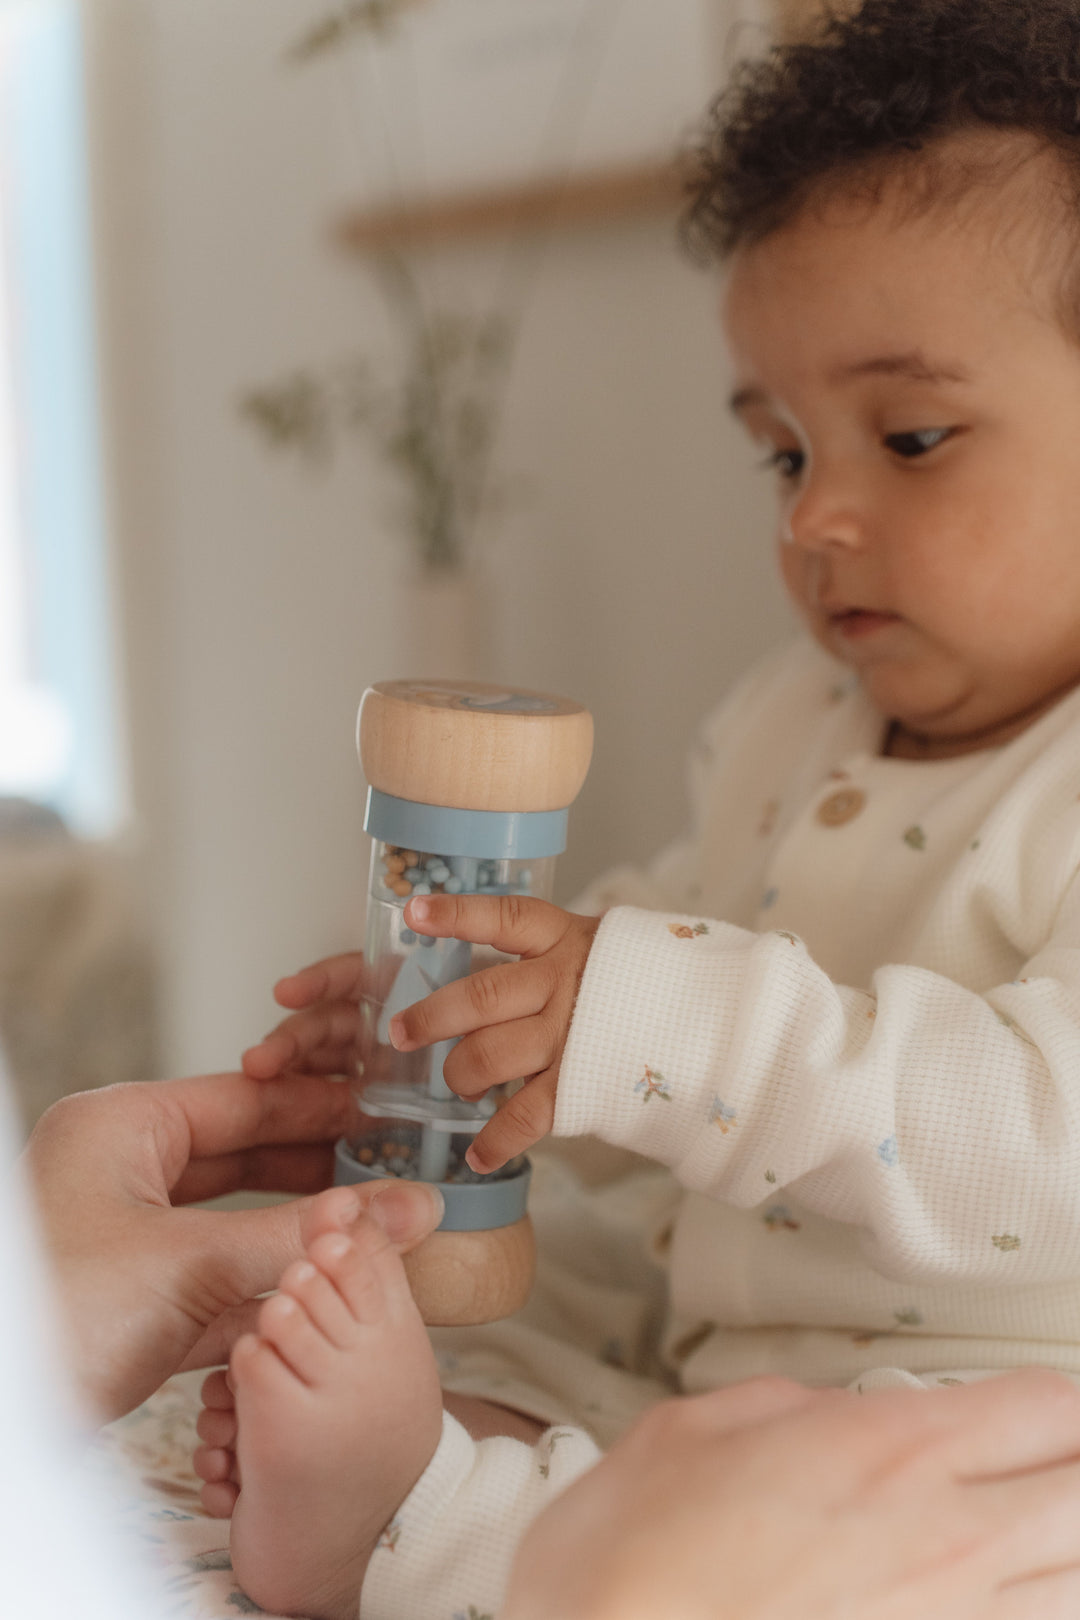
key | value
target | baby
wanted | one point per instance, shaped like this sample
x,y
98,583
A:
x,y
845,1012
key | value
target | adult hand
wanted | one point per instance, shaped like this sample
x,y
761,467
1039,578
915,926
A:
x,y
149,1288
322,1034
770,1502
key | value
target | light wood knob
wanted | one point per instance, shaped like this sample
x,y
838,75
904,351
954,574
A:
x,y
468,746
460,1279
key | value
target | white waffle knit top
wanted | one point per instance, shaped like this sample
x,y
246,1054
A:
x,y
846,1013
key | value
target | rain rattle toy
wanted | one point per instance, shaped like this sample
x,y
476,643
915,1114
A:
x,y
469,791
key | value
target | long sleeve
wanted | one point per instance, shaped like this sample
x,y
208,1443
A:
x,y
943,1123
449,1548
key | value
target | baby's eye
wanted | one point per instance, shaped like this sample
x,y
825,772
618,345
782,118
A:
x,y
910,445
788,463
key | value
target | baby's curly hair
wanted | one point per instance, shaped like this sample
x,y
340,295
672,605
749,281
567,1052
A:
x,y
869,89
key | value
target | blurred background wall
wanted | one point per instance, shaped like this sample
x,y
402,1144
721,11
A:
x,y
256,594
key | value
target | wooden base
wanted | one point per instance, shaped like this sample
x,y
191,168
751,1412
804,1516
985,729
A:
x,y
460,1279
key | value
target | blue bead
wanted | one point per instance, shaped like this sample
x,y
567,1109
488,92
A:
x,y
407,937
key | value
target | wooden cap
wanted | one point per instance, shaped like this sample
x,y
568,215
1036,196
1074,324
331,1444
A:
x,y
469,746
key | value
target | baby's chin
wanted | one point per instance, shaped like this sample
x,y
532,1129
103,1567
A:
x,y
918,705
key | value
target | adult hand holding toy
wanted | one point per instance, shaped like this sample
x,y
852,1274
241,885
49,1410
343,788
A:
x,y
149,1286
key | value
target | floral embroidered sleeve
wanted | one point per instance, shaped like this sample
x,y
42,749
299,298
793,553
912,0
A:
x,y
942,1123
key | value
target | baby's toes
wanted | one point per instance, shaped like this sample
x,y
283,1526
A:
x,y
216,1428
286,1328
219,1499
217,1392
316,1294
366,1271
214,1463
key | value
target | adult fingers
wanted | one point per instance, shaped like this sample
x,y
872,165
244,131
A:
x,y
225,1113
335,978
740,1406
518,1125
509,922
166,1124
1054,1595
326,1032
290,1169
976,1433
1035,1523
215,1346
1006,1425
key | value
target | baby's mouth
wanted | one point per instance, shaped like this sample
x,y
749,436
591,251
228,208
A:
x,y
853,623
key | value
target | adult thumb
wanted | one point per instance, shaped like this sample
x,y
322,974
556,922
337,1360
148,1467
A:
x,y
253,1246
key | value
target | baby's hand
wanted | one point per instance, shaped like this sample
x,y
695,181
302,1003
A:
x,y
321,1036
513,1018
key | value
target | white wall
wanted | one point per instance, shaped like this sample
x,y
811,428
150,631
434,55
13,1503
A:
x,y
258,597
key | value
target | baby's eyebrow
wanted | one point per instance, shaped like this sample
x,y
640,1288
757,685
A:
x,y
742,398
912,364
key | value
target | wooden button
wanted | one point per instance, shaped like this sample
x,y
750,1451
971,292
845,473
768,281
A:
x,y
841,807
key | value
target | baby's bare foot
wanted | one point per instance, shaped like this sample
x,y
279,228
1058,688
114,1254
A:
x,y
337,1414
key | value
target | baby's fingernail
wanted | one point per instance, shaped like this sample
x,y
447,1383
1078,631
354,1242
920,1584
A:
x,y
398,1037
419,910
407,1211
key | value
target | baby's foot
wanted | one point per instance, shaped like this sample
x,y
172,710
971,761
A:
x,y
337,1414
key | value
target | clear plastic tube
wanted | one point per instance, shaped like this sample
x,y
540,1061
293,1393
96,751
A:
x,y
411,1124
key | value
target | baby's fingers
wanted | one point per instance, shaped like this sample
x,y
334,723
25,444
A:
x,y
493,996
320,1040
513,923
519,1125
504,1052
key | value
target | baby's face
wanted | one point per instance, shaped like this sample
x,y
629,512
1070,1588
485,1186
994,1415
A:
x,y
921,407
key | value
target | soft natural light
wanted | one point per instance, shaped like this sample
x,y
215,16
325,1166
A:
x,y
57,707
34,731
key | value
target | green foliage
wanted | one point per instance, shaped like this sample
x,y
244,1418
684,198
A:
x,y
344,23
434,423
292,412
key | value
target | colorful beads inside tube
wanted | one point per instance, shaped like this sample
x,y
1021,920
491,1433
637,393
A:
x,y
402,873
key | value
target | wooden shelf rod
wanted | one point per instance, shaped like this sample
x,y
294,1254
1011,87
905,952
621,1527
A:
x,y
582,201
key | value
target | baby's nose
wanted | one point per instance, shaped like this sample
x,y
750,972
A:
x,y
824,516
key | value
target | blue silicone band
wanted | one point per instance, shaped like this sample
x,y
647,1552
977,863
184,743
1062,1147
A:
x,y
499,835
479,1206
